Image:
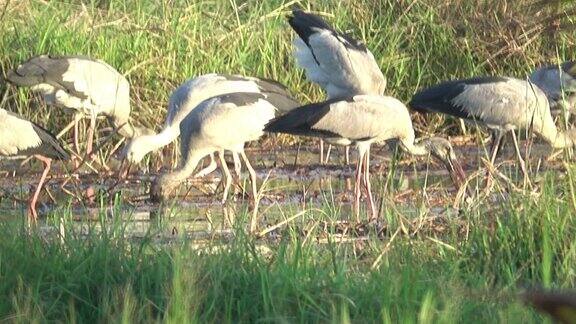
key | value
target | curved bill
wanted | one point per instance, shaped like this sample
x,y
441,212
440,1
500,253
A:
x,y
124,169
456,172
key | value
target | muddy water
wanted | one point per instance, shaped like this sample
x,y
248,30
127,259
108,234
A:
x,y
292,180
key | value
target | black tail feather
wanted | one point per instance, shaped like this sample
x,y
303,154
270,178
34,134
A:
x,y
50,146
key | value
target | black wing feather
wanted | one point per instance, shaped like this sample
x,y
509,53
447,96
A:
x,y
304,24
301,121
440,98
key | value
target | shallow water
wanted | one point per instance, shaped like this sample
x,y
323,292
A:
x,y
290,180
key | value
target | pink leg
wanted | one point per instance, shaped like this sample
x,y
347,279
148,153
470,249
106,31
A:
x,y
327,157
367,185
321,152
90,135
347,152
33,216
357,187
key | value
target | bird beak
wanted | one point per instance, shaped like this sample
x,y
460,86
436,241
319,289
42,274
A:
x,y
124,169
456,172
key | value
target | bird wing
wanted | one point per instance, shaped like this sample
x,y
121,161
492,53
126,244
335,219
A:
x,y
453,97
19,136
227,121
337,62
88,84
495,101
358,118
193,92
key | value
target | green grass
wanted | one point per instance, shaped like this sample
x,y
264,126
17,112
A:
x,y
470,271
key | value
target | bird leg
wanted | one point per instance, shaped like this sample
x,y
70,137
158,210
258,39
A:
x,y
494,148
254,220
368,187
357,187
208,169
327,157
90,135
33,215
521,161
237,170
347,154
225,174
321,152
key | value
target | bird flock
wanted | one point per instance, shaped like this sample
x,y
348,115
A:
x,y
214,113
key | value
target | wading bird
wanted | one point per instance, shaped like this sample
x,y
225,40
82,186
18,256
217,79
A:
x,y
559,85
340,64
87,86
20,137
217,124
560,305
189,95
500,103
362,120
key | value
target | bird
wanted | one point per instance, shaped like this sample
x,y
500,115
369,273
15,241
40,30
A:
x,y
87,86
220,123
338,63
21,137
189,95
559,84
503,104
560,305
360,121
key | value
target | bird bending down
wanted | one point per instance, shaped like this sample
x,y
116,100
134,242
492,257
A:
x,y
500,103
341,65
220,123
559,85
362,120
87,86
20,137
189,95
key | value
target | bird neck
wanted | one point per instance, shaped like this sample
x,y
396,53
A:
x,y
562,139
415,148
128,130
157,141
165,183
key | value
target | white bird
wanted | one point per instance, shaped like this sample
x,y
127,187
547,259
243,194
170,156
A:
x,y
217,124
340,64
362,120
20,137
559,85
189,95
87,86
500,103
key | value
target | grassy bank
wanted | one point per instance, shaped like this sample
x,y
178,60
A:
x,y
468,268
159,44
460,267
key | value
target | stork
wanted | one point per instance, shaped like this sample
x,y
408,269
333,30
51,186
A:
x,y
224,122
87,86
189,95
340,64
502,104
20,137
360,121
559,84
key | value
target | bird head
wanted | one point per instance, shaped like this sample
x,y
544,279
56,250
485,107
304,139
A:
x,y
569,77
570,68
161,188
137,148
27,74
441,149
